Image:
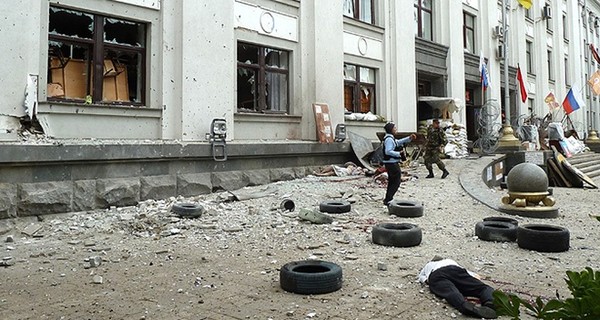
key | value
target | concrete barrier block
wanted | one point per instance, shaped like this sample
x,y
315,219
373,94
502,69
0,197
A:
x,y
117,192
158,187
44,198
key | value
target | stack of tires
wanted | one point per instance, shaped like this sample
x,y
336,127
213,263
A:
x,y
536,237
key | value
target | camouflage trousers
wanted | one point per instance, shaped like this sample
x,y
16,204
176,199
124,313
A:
x,y
432,156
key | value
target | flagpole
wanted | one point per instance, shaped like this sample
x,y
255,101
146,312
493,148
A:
x,y
508,138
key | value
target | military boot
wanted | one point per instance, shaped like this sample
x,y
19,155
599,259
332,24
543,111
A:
x,y
445,173
430,174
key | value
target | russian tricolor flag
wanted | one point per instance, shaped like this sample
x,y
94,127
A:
x,y
571,102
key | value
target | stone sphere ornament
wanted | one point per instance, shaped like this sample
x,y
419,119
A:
x,y
528,193
527,177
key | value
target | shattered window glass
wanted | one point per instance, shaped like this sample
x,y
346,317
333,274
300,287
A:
x,y
276,58
262,79
247,54
71,23
124,32
349,72
95,58
359,89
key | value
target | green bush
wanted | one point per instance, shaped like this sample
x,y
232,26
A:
x,y
585,303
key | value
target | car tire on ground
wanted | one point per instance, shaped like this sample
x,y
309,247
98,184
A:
x,y
405,208
543,238
310,277
502,219
397,234
187,209
496,231
334,206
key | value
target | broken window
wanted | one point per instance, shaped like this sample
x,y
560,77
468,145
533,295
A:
x,y
359,9
262,79
97,57
359,89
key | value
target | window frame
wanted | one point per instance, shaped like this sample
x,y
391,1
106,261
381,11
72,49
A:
x,y
550,66
261,69
357,11
548,20
466,29
565,26
567,77
356,89
97,47
529,56
418,6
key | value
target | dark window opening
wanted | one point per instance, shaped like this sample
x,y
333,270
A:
x,y
94,58
262,79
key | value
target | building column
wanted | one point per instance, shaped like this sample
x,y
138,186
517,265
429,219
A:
x,y
401,65
322,59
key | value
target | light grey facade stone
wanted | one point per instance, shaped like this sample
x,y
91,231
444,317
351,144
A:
x,y
84,195
158,187
117,192
44,198
193,184
8,200
258,177
231,180
282,174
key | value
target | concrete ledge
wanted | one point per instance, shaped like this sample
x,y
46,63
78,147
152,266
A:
x,y
58,178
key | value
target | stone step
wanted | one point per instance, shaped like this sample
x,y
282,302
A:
x,y
584,157
595,175
583,165
588,167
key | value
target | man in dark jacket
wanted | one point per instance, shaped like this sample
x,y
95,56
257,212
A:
x,y
391,157
436,140
450,281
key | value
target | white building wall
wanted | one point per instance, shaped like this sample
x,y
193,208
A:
x,y
191,63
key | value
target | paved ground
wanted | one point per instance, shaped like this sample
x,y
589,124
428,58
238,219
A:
x,y
225,264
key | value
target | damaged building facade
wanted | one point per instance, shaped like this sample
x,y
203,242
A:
x,y
150,69
154,75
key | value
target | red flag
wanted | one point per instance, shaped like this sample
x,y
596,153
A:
x,y
522,89
594,53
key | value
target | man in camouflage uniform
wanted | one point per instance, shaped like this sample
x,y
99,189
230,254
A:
x,y
436,140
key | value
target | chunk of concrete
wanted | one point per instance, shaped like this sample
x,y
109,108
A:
x,y
193,184
118,192
231,180
44,198
158,187
315,217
